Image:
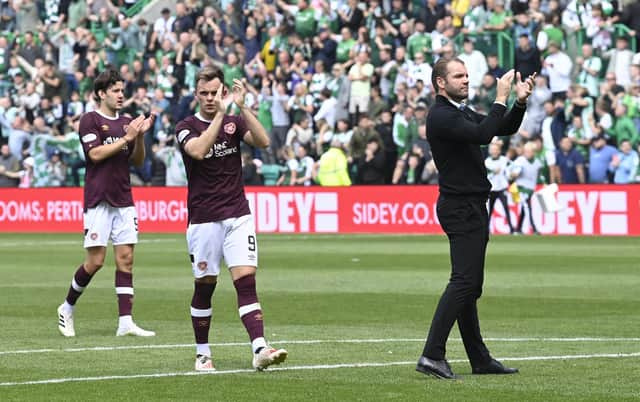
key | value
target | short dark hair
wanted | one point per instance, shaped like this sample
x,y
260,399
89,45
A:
x,y
440,70
210,73
105,80
326,93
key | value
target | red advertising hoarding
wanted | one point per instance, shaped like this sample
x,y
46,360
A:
x,y
586,210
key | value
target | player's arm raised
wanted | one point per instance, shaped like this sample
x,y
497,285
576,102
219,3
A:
x,y
256,136
102,152
137,157
198,147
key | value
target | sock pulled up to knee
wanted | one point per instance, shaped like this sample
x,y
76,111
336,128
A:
x,y
124,291
201,314
250,310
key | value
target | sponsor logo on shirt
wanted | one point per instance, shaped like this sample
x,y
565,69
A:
x,y
221,150
111,140
105,127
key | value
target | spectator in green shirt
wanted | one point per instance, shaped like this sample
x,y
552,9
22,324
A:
x,y
631,99
232,70
418,42
499,18
401,122
624,129
305,20
345,44
578,136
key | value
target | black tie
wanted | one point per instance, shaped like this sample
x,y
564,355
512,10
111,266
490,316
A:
x,y
465,111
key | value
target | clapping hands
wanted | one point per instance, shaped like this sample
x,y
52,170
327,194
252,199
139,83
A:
x,y
239,92
503,85
138,126
524,88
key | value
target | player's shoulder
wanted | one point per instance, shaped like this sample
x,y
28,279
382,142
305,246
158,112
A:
x,y
186,127
90,123
187,122
97,118
88,117
89,127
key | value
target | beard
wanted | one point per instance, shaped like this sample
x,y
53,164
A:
x,y
457,95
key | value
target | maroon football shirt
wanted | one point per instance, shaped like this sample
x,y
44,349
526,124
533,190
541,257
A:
x,y
216,189
107,180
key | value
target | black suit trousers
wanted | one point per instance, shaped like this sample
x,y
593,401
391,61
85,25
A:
x,y
466,222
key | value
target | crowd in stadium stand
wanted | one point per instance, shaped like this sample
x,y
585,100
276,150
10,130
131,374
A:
x,y
342,86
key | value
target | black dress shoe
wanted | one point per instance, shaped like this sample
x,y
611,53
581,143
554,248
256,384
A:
x,y
437,368
493,367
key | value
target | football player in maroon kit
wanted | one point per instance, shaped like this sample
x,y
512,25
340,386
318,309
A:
x,y
220,222
110,141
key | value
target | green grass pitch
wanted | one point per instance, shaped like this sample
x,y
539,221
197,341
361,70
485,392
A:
x,y
351,310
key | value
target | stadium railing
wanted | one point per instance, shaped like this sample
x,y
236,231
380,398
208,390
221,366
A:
x,y
576,39
136,8
619,30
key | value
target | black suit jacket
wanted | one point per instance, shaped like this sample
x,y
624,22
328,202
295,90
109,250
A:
x,y
455,137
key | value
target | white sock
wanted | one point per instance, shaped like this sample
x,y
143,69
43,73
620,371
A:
x,y
257,344
203,349
67,307
125,321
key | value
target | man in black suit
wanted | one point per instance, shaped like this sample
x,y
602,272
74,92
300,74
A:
x,y
455,134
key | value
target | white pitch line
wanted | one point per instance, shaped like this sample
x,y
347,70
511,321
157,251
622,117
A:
x,y
294,368
303,342
70,242
578,339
